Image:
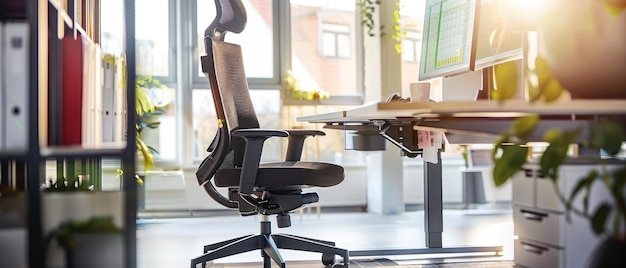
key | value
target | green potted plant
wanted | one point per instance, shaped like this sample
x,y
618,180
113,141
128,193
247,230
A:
x,y
152,100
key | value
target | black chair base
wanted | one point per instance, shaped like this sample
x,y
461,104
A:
x,y
269,244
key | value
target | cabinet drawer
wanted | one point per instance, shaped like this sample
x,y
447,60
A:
x,y
546,194
532,254
538,225
524,188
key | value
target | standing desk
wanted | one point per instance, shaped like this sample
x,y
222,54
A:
x,y
463,122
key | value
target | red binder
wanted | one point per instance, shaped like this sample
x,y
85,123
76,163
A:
x,y
72,92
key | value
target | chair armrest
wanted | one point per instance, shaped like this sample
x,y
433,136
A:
x,y
259,133
296,142
254,138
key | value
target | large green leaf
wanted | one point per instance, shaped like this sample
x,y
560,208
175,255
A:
x,y
143,103
511,160
599,218
556,152
583,184
148,157
552,158
608,136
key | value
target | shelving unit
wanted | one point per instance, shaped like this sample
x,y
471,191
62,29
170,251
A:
x,y
33,160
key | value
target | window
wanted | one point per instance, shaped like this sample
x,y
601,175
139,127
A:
x,y
170,41
411,23
411,46
155,34
323,48
112,27
260,59
155,38
335,40
267,107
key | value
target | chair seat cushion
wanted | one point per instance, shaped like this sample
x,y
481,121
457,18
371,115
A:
x,y
290,173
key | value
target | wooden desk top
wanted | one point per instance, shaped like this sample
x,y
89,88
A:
x,y
471,119
473,109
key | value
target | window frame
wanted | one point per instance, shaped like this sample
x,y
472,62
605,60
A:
x,y
188,67
335,34
415,38
281,11
357,99
273,82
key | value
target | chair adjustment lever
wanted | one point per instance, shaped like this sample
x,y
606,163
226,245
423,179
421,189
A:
x,y
263,207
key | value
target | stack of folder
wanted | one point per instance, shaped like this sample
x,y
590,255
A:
x,y
92,104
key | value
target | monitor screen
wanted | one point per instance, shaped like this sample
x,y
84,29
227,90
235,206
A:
x,y
447,42
496,40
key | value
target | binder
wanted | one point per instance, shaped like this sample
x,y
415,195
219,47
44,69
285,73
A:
x,y
108,99
121,125
113,101
2,104
72,91
88,95
16,89
99,84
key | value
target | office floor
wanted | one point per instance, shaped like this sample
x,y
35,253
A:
x,y
173,241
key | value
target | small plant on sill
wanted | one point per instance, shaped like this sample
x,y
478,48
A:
x,y
69,185
292,90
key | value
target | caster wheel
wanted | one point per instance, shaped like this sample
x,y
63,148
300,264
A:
x,y
339,265
328,259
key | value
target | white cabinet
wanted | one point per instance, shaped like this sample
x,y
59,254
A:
x,y
545,237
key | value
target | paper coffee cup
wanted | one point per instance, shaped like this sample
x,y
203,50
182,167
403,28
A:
x,y
420,91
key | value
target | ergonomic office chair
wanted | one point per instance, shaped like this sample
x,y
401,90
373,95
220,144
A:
x,y
234,161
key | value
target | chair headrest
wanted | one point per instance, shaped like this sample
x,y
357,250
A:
x,y
230,16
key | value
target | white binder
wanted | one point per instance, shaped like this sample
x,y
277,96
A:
x,y
2,104
96,112
108,99
112,99
92,94
87,126
120,128
16,89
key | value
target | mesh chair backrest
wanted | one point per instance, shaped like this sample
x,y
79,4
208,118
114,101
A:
x,y
235,96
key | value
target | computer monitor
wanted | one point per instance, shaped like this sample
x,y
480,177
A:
x,y
448,43
497,40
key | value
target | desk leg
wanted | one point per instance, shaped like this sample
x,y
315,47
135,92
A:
x,y
433,203
433,222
